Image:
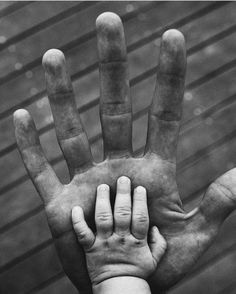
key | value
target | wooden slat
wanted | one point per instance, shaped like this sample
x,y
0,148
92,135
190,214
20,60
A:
x,y
59,284
9,7
31,272
21,20
49,37
211,279
229,289
9,246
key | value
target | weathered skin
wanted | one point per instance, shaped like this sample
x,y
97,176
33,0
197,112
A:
x,y
188,235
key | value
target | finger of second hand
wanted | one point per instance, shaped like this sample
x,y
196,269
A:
x,y
140,218
122,209
103,212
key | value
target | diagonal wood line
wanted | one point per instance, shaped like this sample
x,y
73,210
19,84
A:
x,y
209,263
199,13
26,255
178,23
46,283
68,46
226,67
137,79
228,289
46,23
21,218
198,155
211,110
14,7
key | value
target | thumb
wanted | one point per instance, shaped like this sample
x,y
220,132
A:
x,y
84,234
220,199
157,244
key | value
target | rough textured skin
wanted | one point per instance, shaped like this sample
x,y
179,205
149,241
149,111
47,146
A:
x,y
187,235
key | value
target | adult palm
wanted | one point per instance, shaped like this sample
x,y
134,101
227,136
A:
x,y
187,234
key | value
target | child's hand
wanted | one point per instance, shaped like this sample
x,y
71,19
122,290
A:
x,y
120,246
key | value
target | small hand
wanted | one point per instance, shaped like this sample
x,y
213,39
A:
x,y
119,249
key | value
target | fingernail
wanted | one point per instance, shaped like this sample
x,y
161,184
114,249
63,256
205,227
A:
x,y
103,187
76,209
140,190
124,180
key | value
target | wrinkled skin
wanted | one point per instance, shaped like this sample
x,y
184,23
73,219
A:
x,y
188,235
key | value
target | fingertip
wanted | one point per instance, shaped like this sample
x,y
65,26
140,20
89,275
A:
x,y
110,38
22,116
53,59
140,190
174,36
123,180
103,188
155,228
159,238
108,21
123,185
77,209
77,213
173,53
25,129
56,74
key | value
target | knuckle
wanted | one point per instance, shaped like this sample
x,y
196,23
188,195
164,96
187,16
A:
x,y
81,235
141,217
220,189
122,240
123,211
138,242
103,217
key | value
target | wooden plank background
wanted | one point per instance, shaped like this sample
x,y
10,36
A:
x,y
28,261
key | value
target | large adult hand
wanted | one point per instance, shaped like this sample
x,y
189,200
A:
x,y
187,234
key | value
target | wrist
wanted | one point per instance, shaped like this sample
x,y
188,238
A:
x,y
123,284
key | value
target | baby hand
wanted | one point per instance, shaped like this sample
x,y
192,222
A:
x,y
120,247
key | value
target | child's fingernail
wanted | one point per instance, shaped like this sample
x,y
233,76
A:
x,y
76,210
123,180
140,189
103,187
